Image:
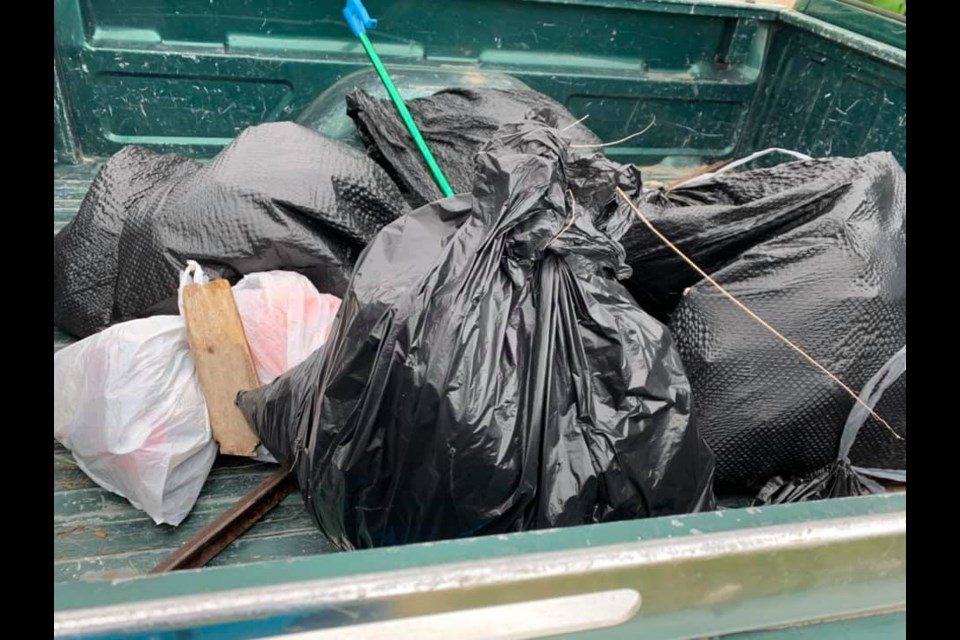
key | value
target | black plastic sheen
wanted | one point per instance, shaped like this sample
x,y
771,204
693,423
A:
x,y
487,374
455,123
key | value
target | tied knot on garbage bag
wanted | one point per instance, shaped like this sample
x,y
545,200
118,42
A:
x,y
544,197
456,124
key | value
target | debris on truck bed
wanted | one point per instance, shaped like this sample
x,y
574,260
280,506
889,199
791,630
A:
x,y
489,374
486,341
280,196
127,401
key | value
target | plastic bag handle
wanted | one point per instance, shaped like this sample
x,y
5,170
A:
x,y
706,177
192,274
871,394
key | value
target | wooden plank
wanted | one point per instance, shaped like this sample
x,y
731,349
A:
x,y
223,361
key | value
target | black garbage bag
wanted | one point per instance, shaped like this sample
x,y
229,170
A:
x,y
455,123
487,374
85,252
841,478
280,196
835,285
714,223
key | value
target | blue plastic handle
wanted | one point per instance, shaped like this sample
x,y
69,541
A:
x,y
357,17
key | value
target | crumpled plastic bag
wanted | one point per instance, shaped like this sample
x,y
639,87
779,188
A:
x,y
127,404
487,373
841,478
455,123
127,401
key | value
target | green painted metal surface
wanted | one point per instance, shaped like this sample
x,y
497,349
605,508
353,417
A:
x,y
697,575
64,149
859,17
839,95
880,627
78,595
188,75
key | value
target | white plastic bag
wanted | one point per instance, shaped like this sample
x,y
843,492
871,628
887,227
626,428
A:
x,y
127,401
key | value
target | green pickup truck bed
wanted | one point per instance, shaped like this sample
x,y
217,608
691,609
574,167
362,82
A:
x,y
720,79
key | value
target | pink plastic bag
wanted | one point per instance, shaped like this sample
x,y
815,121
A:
x,y
284,319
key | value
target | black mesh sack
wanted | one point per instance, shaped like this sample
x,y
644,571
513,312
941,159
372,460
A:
x,y
833,281
85,252
280,196
713,223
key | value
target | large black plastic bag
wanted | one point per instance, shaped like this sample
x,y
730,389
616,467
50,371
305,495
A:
x,y
455,123
714,223
836,286
487,374
280,196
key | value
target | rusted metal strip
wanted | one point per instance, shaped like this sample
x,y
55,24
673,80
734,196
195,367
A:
x,y
231,524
